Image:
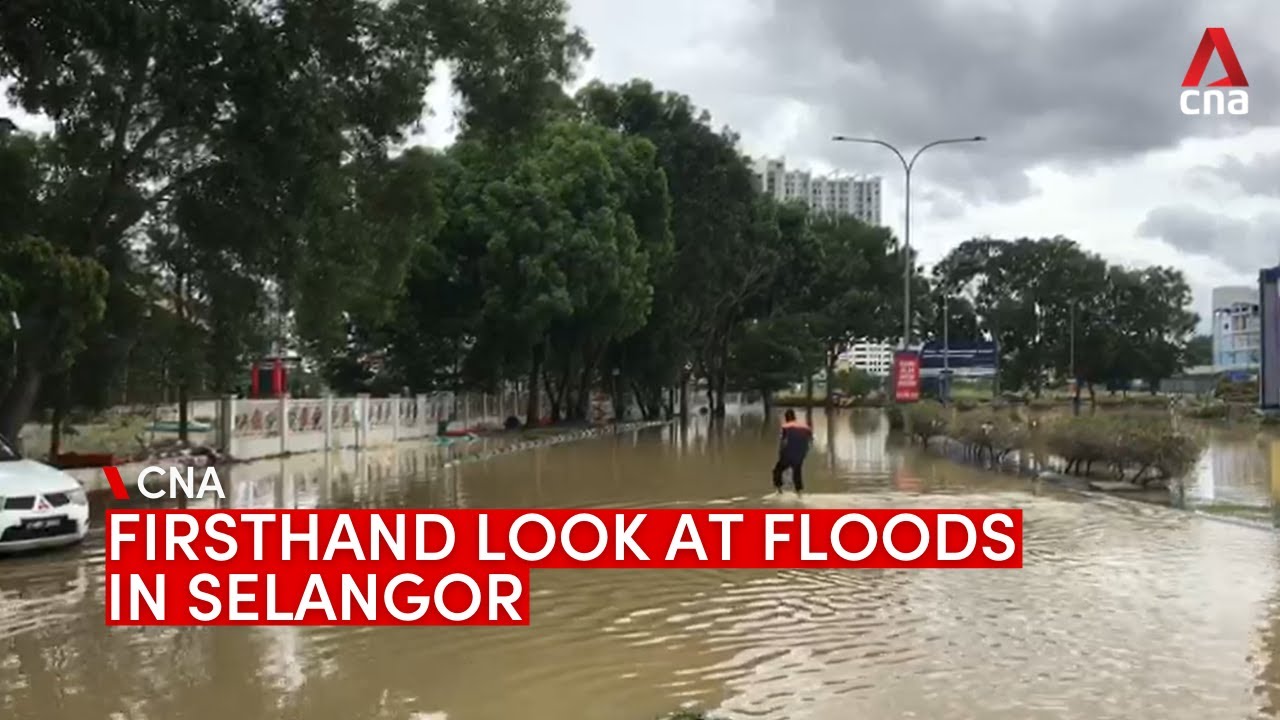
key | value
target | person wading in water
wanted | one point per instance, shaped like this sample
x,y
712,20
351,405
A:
x,y
792,448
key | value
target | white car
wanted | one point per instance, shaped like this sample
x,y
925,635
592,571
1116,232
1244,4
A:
x,y
40,506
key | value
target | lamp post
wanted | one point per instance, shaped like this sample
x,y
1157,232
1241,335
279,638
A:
x,y
907,166
946,348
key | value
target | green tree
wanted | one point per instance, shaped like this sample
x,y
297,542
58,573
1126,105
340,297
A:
x,y
1199,351
1043,299
771,354
56,295
856,289
261,132
720,264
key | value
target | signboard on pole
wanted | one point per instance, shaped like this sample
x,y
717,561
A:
x,y
963,359
906,376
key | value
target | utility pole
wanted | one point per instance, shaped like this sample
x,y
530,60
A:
x,y
946,348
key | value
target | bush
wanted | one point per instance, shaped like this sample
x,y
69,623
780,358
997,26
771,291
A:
x,y
928,419
1228,391
897,421
1139,448
1209,411
995,432
856,383
966,405
1079,441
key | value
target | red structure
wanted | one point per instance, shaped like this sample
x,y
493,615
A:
x,y
269,378
906,376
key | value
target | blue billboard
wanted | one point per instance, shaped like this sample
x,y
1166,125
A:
x,y
962,358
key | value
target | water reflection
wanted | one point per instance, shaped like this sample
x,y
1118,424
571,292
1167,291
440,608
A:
x,y
1233,470
1122,610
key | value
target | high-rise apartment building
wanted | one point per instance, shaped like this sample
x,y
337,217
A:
x,y
857,196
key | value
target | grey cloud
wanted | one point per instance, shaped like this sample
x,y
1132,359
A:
x,y
941,205
1259,175
1077,84
1244,245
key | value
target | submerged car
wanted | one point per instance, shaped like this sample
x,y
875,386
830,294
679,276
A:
x,y
40,506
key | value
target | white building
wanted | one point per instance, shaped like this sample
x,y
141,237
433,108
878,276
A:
x,y
1237,328
872,358
837,194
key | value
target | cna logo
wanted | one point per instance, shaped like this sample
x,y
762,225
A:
x,y
1212,100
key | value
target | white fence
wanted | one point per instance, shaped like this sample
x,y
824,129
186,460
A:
x,y
248,429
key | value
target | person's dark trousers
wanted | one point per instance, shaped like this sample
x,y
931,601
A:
x,y
797,478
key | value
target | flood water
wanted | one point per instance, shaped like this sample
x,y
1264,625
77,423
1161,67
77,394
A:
x,y
1122,610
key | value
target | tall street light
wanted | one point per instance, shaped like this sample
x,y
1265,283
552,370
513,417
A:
x,y
907,166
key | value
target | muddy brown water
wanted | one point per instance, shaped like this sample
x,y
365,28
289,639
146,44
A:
x,y
1122,611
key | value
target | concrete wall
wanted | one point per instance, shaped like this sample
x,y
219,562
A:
x,y
1189,385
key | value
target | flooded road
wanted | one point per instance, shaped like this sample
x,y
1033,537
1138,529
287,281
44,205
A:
x,y
1122,610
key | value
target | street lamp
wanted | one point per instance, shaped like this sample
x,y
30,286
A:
x,y
907,166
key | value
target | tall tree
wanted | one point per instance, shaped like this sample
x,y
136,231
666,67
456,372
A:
x,y
718,266
856,288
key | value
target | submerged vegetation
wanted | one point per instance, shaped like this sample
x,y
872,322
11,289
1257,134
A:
x,y
1131,447
1136,448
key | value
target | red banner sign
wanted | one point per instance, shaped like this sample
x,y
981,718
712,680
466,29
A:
x,y
906,376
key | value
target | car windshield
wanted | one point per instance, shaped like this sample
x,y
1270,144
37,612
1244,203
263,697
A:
x,y
6,450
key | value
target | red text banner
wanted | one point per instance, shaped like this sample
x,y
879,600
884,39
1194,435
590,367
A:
x,y
471,567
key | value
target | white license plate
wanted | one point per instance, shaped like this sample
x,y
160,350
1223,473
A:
x,y
43,523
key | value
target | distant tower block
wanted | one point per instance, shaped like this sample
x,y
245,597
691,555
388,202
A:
x,y
1269,373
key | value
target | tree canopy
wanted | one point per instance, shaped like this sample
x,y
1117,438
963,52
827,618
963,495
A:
x,y
226,180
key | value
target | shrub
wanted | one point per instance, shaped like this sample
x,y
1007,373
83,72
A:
x,y
966,405
1228,391
897,420
856,383
1080,441
1175,454
1139,448
1209,411
928,419
995,432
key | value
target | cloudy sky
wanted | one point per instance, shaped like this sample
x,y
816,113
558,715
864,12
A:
x,y
1080,100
